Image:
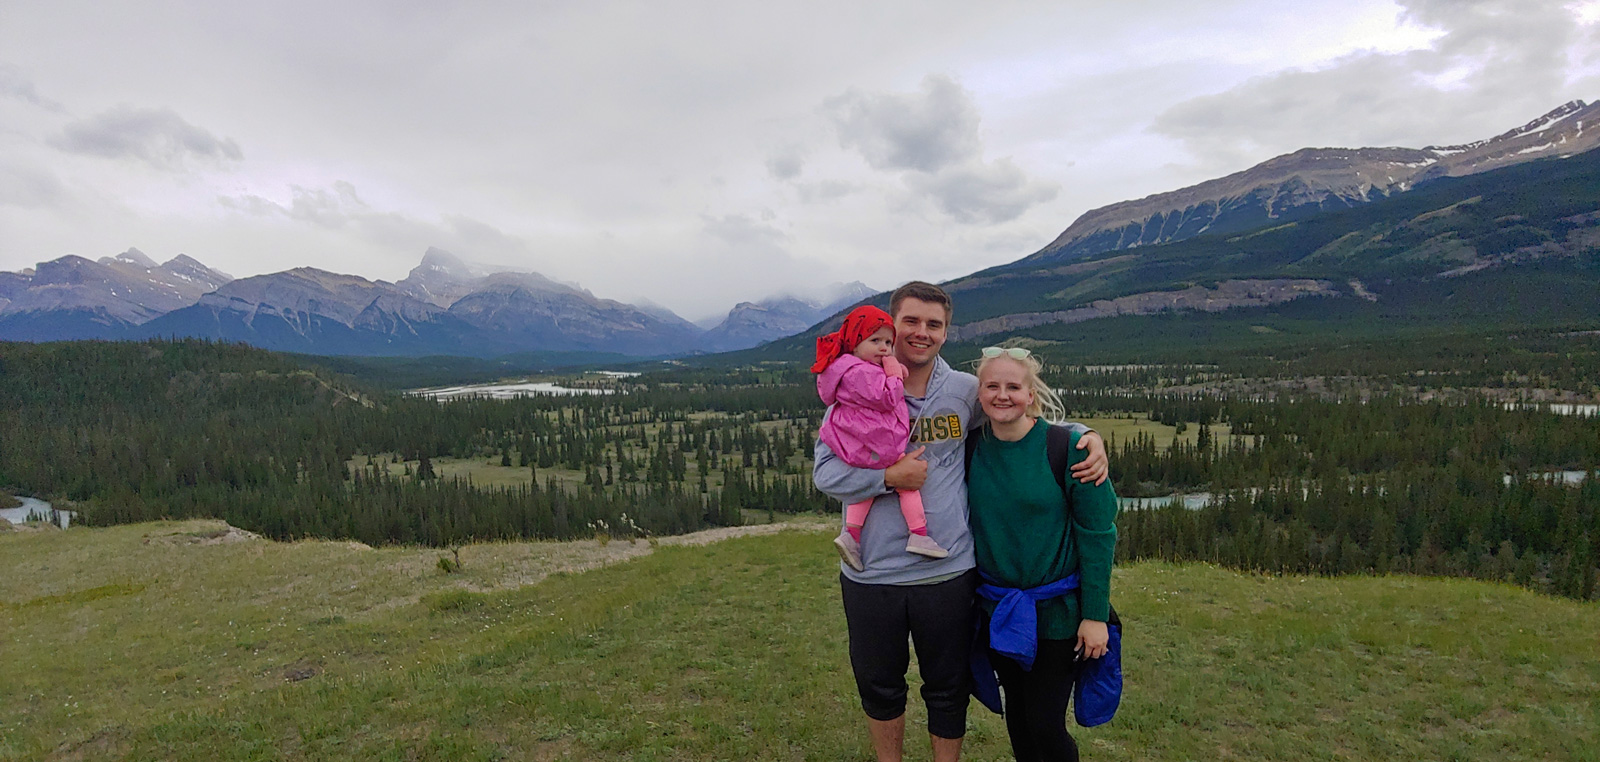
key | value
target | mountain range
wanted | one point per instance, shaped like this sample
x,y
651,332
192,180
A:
x,y
1528,197
76,298
445,305
1370,226
1313,180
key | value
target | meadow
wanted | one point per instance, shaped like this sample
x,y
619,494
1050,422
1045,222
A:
x,y
189,640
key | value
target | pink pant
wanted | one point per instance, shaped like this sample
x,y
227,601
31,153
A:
x,y
855,514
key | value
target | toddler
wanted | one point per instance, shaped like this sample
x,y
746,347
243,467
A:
x,y
868,426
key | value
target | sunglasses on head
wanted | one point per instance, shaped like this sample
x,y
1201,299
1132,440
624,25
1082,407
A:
x,y
1015,353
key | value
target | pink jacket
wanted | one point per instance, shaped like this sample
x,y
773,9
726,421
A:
x,y
869,425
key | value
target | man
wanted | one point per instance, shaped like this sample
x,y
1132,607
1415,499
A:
x,y
899,593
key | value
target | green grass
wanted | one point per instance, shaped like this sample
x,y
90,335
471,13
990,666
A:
x,y
1121,429
145,642
484,471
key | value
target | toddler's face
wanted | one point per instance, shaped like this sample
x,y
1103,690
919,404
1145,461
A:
x,y
877,346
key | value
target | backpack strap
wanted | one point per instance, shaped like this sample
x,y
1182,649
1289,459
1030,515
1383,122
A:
x,y
971,445
1058,448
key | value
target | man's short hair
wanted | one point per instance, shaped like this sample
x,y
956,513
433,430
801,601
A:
x,y
921,291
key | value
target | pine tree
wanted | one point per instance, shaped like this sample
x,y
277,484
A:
x,y
425,469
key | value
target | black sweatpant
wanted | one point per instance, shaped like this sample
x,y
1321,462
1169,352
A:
x,y
1036,702
938,619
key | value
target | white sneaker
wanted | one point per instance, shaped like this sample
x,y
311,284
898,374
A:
x,y
924,545
849,551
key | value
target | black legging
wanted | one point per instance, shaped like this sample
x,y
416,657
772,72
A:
x,y
1036,703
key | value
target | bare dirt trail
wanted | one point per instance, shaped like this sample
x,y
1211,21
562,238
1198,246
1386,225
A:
x,y
501,566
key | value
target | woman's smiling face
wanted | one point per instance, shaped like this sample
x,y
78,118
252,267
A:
x,y
1003,390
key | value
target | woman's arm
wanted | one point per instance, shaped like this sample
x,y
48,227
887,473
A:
x,y
1094,532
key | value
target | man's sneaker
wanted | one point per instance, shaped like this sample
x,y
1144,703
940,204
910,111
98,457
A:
x,y
850,550
924,545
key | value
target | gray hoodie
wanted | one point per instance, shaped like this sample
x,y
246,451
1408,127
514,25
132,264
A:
x,y
941,420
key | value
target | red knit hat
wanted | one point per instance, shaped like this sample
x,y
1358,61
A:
x,y
861,323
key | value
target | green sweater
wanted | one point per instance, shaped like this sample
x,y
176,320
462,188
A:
x,y
1026,533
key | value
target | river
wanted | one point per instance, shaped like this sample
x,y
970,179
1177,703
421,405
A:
x,y
1560,477
1194,501
33,505
1559,408
503,391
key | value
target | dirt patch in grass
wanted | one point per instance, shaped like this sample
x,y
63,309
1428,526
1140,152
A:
x,y
708,536
301,670
105,743
501,566
220,535
84,596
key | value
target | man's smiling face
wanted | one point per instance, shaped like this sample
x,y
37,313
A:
x,y
920,328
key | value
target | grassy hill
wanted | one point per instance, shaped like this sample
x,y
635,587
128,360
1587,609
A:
x,y
188,641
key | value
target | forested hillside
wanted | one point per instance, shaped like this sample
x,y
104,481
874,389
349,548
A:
x,y
133,432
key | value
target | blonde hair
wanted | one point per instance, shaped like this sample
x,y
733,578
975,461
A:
x,y
1046,403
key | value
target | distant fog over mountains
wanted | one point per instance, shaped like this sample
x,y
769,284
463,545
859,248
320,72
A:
x,y
1370,224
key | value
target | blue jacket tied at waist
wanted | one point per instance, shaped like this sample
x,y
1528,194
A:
x,y
1014,626
1014,631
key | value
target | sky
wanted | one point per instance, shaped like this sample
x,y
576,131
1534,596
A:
x,y
699,154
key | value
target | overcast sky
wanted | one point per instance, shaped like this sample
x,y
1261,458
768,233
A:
x,y
700,154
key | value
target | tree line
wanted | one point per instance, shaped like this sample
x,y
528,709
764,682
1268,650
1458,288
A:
x,y
1344,480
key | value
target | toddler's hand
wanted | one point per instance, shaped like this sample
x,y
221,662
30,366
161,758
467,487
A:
x,y
892,367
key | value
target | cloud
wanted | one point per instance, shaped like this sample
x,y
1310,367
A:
x,y
340,207
931,137
976,193
665,113
824,191
156,136
1505,57
745,233
924,131
29,187
786,163
14,85
331,208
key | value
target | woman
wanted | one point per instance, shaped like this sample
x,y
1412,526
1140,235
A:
x,y
1035,531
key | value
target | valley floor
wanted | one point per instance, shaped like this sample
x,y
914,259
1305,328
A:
x,y
194,641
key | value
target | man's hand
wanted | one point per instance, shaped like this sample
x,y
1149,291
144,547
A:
x,y
908,473
893,367
1096,467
